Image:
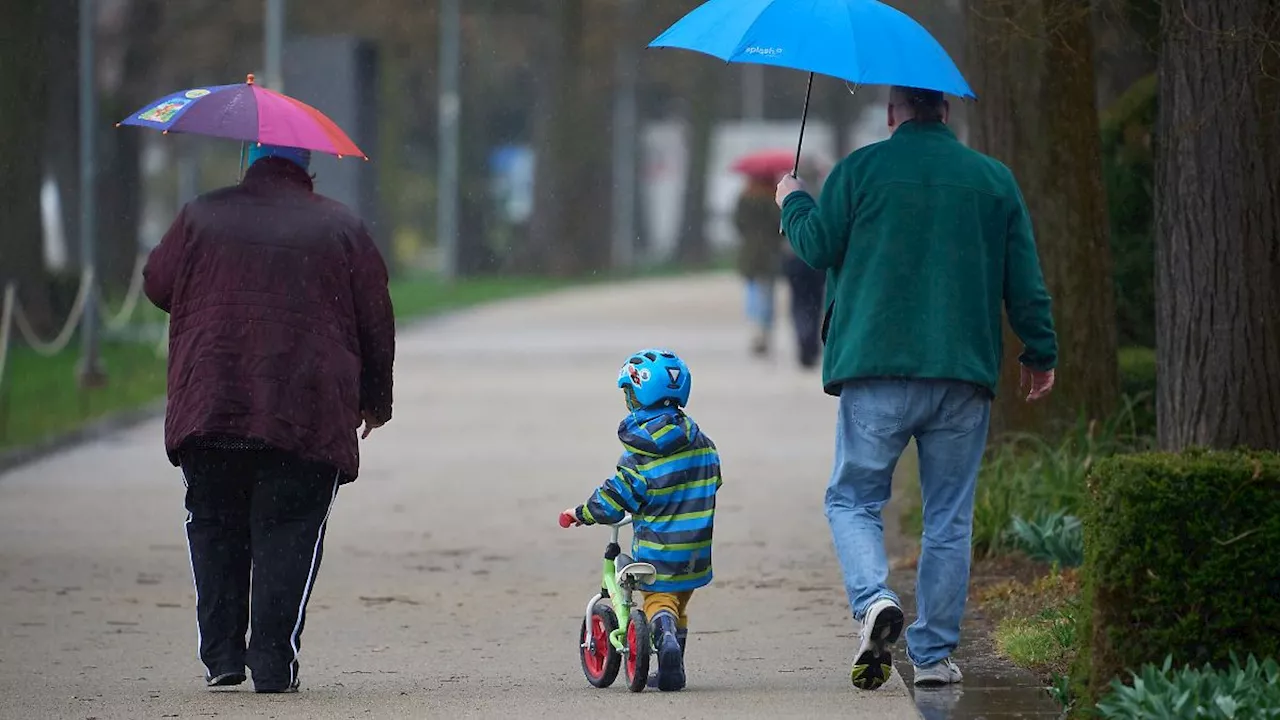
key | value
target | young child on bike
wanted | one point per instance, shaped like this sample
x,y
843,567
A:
x,y
667,479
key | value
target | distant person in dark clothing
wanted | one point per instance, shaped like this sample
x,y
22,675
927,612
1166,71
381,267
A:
x,y
807,290
281,343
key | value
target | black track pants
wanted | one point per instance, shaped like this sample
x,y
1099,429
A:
x,y
255,518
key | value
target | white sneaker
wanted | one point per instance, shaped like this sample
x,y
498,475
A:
x,y
873,664
938,674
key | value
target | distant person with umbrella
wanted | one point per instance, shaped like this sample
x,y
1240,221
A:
x,y
926,242
764,254
756,218
281,343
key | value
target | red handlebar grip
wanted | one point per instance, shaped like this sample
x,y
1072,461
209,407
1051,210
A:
x,y
567,519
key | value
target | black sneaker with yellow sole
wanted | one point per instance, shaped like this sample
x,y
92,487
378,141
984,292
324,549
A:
x,y
881,628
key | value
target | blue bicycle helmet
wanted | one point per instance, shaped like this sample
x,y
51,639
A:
x,y
654,377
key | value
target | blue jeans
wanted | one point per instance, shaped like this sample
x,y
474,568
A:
x,y
949,421
760,301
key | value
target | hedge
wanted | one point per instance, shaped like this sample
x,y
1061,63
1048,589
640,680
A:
x,y
1182,558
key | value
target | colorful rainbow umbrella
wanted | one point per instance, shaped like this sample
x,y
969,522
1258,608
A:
x,y
246,112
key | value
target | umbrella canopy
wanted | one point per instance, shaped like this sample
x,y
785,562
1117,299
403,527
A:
x,y
246,112
861,41
771,164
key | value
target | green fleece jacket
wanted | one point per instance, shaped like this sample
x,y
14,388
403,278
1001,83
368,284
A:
x,y
924,241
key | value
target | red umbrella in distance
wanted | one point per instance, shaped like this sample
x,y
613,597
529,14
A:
x,y
765,164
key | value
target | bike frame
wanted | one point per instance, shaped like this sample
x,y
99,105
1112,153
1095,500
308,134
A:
x,y
619,595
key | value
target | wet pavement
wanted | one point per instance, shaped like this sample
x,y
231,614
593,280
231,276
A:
x,y
992,688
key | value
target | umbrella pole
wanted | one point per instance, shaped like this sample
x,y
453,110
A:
x,y
804,118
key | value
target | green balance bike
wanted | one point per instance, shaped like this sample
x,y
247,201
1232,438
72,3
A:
x,y
604,645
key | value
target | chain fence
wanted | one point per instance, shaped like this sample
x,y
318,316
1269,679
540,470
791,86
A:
x,y
12,316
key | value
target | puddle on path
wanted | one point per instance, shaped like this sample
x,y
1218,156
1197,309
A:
x,y
992,687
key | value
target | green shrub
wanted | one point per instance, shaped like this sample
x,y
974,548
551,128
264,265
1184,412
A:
x,y
1248,691
1138,386
1181,558
1027,476
1055,538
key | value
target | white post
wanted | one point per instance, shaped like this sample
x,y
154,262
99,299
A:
x,y
625,132
90,369
273,45
752,91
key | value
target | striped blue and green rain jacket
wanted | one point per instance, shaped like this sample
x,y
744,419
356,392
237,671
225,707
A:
x,y
667,479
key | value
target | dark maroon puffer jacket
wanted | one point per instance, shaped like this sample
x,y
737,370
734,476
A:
x,y
281,328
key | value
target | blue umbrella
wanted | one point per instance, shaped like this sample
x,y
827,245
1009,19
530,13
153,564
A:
x,y
861,41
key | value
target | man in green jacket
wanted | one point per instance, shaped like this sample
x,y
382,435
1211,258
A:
x,y
924,241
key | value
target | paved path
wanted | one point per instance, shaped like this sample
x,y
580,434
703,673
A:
x,y
447,589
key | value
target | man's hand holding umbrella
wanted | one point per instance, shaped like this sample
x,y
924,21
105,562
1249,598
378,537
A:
x,y
787,185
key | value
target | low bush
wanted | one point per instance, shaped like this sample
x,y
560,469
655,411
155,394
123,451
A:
x,y
1026,476
1181,558
1042,483
1055,538
1251,690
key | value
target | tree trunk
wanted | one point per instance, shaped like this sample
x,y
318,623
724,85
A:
x,y
588,127
1218,225
62,134
22,93
120,152
693,248
1034,72
1075,227
475,257
546,226
572,187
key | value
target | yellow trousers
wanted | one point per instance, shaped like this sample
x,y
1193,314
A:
x,y
675,603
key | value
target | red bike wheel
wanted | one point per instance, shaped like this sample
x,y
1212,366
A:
x,y
600,662
639,644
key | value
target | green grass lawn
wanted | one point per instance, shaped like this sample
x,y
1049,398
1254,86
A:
x,y
422,297
41,397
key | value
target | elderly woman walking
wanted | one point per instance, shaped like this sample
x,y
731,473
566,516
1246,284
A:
x,y
281,343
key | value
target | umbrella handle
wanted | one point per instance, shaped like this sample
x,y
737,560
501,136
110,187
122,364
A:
x,y
804,118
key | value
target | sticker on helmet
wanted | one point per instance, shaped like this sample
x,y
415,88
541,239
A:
x,y
638,376
674,374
